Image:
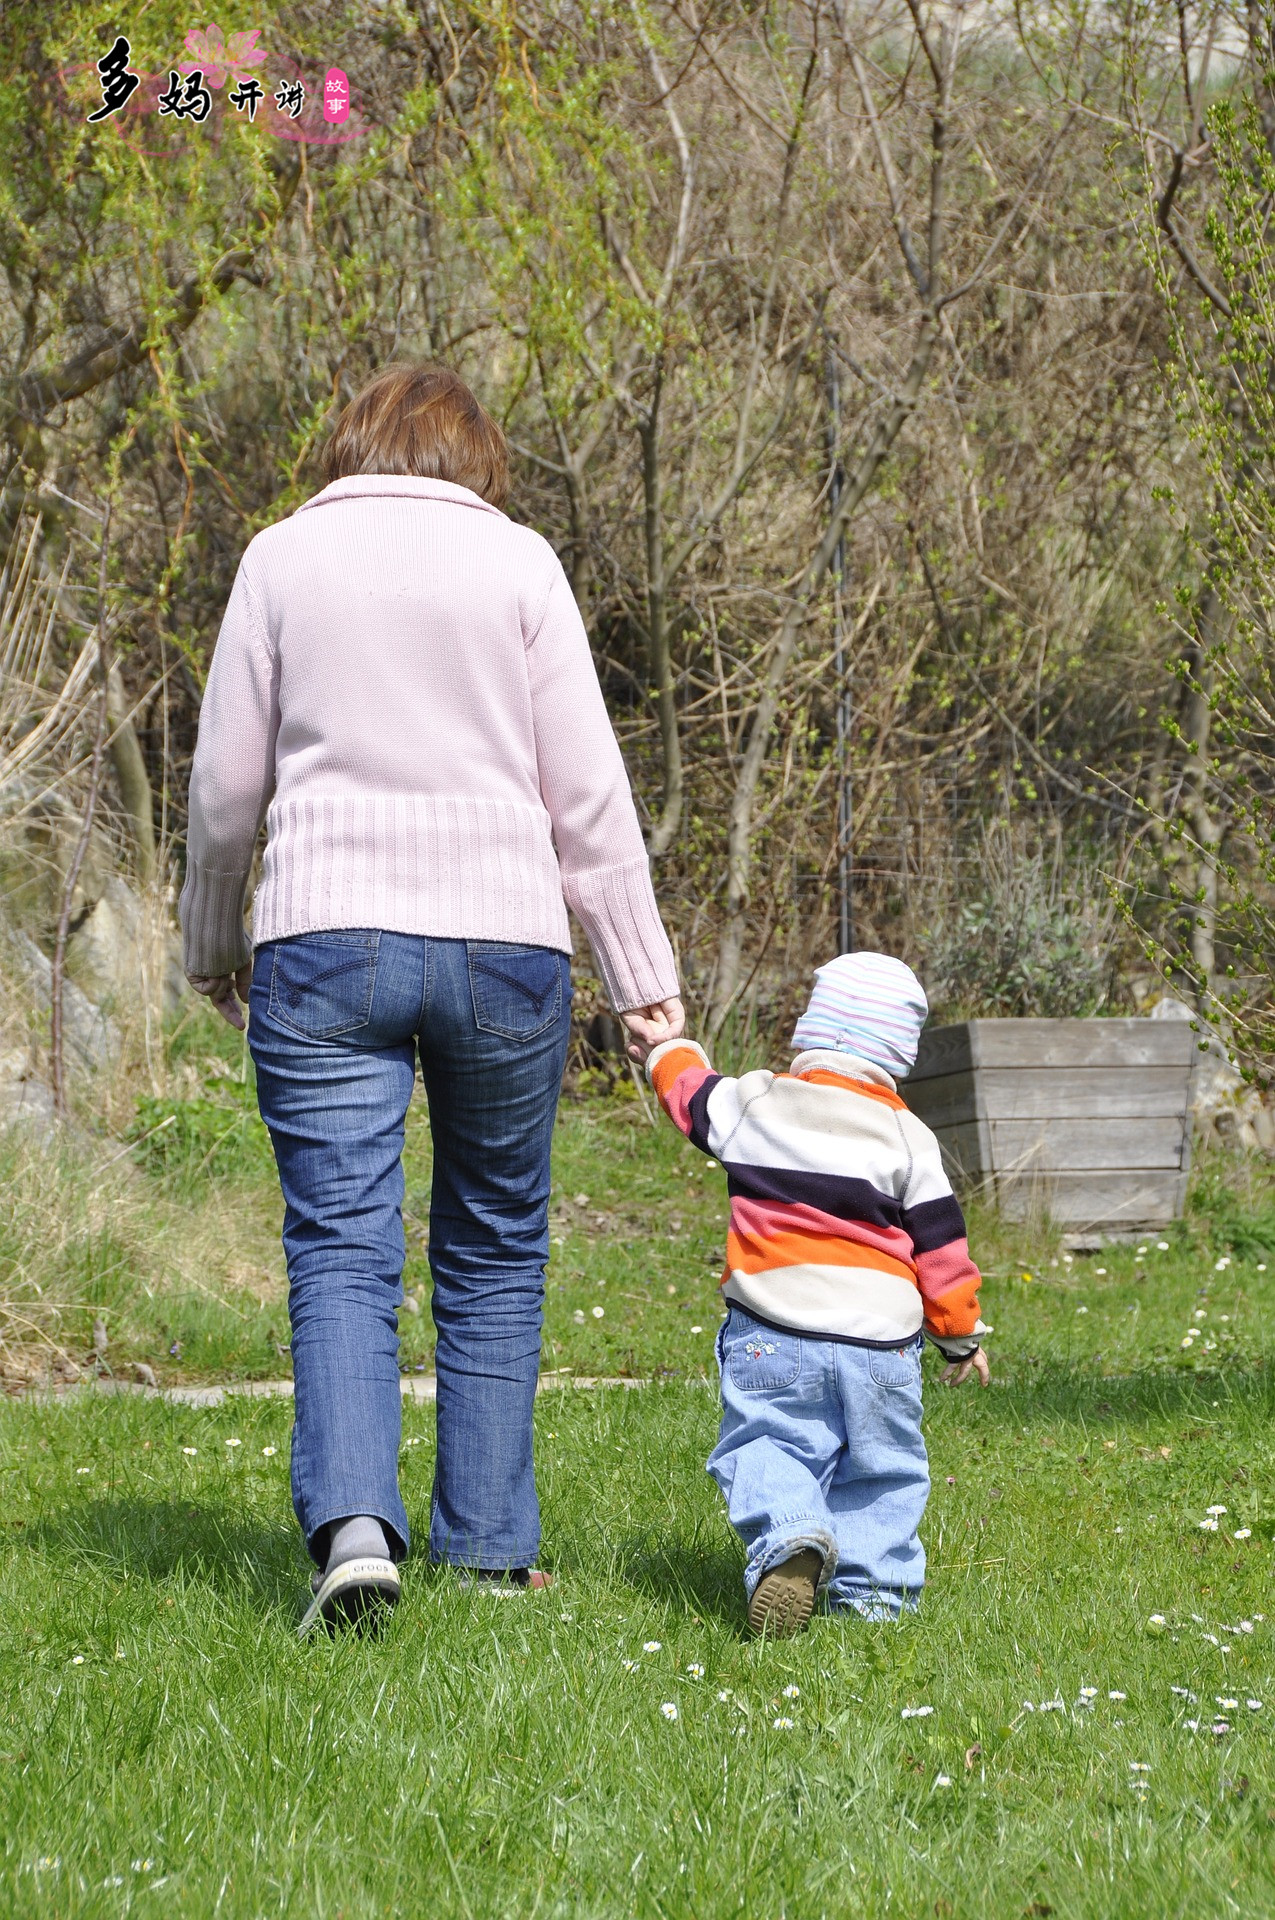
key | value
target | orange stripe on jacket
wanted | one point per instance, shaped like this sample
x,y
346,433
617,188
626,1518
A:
x,y
666,1075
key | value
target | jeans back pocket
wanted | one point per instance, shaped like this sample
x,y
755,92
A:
x,y
516,990
762,1358
321,984
896,1366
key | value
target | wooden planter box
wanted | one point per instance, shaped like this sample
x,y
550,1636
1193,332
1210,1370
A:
x,y
1086,1121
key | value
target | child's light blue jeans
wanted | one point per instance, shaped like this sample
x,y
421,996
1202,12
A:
x,y
821,1447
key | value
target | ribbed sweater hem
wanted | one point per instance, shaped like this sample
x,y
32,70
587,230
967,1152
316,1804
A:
x,y
452,868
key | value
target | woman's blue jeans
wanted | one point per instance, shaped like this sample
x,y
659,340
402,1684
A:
x,y
337,1021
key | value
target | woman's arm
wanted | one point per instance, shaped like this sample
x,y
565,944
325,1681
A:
x,y
231,782
605,875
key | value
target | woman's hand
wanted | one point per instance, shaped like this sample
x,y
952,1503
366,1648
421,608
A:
x,y
649,1026
221,990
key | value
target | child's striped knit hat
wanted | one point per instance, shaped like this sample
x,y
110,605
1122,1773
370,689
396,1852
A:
x,y
869,1004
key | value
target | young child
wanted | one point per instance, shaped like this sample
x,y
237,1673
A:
x,y
846,1243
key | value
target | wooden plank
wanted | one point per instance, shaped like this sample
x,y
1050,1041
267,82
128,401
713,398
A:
x,y
1074,1093
966,1153
1144,1199
971,1152
943,1050
1124,1043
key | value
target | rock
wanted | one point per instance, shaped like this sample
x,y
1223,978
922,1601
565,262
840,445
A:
x,y
25,1099
123,951
91,1039
1224,1108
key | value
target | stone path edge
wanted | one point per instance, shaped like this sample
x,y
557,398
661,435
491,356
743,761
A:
x,y
412,1388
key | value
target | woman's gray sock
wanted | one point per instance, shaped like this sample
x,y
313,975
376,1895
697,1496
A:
x,y
359,1538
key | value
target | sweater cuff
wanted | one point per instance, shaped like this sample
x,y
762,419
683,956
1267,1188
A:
x,y
657,1053
616,907
214,939
953,1346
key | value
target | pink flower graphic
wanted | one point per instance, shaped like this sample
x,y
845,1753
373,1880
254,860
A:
x,y
215,57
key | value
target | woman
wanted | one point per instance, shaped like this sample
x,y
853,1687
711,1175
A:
x,y
403,690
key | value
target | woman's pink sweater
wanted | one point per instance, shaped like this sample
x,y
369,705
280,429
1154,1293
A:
x,y
403,689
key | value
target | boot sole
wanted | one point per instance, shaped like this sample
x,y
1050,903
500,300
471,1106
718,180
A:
x,y
785,1597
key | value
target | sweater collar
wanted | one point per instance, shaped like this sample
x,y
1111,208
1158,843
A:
x,y
851,1066
410,486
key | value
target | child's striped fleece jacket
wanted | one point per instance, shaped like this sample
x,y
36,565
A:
x,y
843,1223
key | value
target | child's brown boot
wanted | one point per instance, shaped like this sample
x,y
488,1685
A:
x,y
784,1598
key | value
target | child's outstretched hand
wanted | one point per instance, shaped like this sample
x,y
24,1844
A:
x,y
957,1372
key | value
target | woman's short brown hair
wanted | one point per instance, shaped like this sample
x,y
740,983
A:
x,y
421,420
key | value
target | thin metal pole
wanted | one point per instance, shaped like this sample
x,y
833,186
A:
x,y
845,793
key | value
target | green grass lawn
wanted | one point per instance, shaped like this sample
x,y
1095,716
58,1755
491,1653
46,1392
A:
x,y
166,1744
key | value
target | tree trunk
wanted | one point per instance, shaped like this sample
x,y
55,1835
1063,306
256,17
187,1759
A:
x,y
665,830
739,846
1213,624
131,775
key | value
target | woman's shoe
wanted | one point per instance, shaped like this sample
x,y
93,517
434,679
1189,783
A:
x,y
357,1593
784,1598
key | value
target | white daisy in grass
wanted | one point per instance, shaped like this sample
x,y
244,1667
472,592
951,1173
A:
x,y
1220,1728
781,1723
1114,1693
1139,1766
630,1666
1246,1626
1089,1693
84,1469
1162,1246
1053,1706
232,1442
1183,1693
792,1693
1208,1526
1157,1620
697,1329
651,1646
190,1449
1227,1705
1215,1511
942,1779
1243,1533
724,1697
1100,1270
695,1670
1254,1706
669,1710
77,1660
916,1713
578,1316
267,1452
599,1313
